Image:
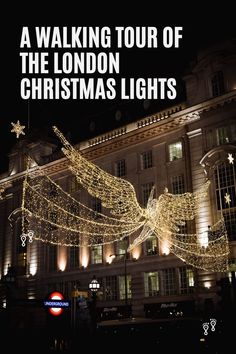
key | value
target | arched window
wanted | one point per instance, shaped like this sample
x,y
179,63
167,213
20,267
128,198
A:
x,y
224,175
217,84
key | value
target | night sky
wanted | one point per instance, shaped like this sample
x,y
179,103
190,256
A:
x,y
86,118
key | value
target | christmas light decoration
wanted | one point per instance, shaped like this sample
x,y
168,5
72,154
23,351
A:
x,y
2,190
57,217
18,129
230,158
227,198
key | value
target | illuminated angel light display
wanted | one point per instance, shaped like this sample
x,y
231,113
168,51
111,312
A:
x,y
57,217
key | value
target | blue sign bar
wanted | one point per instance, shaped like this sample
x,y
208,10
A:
x,y
56,303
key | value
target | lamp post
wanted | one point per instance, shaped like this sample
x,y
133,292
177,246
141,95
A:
x,y
114,255
94,286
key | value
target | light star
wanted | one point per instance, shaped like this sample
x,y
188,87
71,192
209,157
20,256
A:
x,y
230,158
227,198
18,129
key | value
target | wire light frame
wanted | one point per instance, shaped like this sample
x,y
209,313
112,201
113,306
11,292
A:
x,y
57,217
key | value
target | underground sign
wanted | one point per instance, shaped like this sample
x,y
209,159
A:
x,y
56,303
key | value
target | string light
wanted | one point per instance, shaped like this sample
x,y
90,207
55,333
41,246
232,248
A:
x,y
2,190
56,217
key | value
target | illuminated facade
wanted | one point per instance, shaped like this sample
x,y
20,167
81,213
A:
x,y
176,148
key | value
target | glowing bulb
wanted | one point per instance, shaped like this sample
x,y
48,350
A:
x,y
136,252
84,257
62,259
207,285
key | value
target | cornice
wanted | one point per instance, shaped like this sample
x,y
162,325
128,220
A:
x,y
147,128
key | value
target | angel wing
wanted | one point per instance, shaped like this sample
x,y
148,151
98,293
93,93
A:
x,y
58,218
167,213
173,210
115,193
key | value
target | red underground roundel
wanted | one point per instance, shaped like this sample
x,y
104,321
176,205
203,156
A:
x,y
56,311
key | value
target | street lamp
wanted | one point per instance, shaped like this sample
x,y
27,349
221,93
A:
x,y
94,286
114,255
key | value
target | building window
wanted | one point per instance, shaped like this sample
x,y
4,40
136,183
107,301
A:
x,y
52,217
73,184
210,138
226,196
61,287
121,246
120,168
232,129
74,285
186,282
146,159
74,257
66,289
53,192
175,151
217,84
225,185
151,284
122,287
151,245
177,184
169,281
96,254
146,190
96,205
111,288
222,136
182,232
51,287
52,256
230,224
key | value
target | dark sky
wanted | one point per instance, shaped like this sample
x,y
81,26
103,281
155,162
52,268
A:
x,y
84,118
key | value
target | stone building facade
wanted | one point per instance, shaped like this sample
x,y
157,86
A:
x,y
176,148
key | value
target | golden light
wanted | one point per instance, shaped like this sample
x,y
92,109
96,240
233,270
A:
x,y
165,248
18,129
207,284
8,257
13,172
62,258
110,258
58,218
33,269
84,256
108,251
33,259
203,239
136,253
203,221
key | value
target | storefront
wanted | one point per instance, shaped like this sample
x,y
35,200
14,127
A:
x,y
169,309
115,312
